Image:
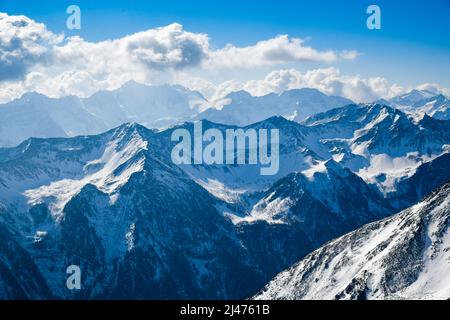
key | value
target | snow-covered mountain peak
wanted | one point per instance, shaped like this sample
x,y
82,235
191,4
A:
x,y
418,102
412,97
132,128
52,171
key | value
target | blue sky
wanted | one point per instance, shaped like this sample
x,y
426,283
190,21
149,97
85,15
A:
x,y
412,47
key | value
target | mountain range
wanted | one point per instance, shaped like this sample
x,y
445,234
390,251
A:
x,y
36,115
162,106
240,108
102,202
139,226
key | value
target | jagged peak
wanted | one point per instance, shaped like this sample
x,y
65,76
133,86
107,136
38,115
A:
x,y
275,122
130,131
132,126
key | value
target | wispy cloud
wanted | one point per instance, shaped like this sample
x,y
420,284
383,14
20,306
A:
x,y
275,51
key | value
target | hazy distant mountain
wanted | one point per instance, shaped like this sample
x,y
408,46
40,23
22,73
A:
x,y
412,97
151,106
419,102
35,115
244,109
402,257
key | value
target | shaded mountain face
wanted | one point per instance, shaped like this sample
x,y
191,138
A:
x,y
301,212
243,109
425,179
26,283
328,191
403,257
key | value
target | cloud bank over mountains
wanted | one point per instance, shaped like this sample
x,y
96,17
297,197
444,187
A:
x,y
33,58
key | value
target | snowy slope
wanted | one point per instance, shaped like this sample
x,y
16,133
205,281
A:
x,y
230,182
381,144
349,202
406,256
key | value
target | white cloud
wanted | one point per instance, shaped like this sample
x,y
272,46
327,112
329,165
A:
x,y
349,54
278,50
328,80
167,47
33,58
135,56
23,43
435,88
28,51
